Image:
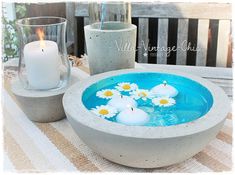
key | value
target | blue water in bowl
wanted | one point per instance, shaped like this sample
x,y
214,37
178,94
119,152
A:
x,y
192,102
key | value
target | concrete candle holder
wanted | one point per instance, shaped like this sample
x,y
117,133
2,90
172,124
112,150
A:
x,y
41,106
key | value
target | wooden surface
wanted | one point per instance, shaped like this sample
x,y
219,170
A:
x,y
45,9
55,147
222,44
202,41
86,22
182,36
143,40
162,41
172,10
71,32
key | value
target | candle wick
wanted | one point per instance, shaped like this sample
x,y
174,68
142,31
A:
x,y
121,96
42,50
164,83
132,109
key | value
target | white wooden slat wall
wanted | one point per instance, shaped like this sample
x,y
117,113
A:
x,y
183,11
222,43
182,40
162,39
71,26
182,36
143,30
86,22
202,42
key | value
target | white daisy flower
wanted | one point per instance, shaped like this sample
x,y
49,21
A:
x,y
126,86
104,111
107,93
163,101
141,94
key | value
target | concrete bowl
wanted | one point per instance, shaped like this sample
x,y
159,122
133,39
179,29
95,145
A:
x,y
142,146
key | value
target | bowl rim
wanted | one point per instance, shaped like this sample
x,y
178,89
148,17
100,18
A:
x,y
78,112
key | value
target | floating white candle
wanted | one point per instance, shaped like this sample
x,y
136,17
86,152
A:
x,y
133,116
164,90
122,102
42,64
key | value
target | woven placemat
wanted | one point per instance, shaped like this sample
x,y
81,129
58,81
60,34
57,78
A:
x,y
55,147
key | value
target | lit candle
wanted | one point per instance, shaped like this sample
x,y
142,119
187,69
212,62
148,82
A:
x,y
42,63
133,116
122,102
164,90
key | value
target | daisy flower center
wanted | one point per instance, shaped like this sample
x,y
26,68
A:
x,y
142,94
108,93
163,101
103,112
126,86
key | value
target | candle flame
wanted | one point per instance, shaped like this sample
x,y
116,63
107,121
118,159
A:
x,y
41,35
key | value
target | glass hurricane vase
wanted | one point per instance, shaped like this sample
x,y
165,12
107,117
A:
x,y
43,63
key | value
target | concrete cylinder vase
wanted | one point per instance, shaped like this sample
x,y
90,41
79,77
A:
x,y
112,48
110,37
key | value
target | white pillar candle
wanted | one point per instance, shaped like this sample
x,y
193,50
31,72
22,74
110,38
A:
x,y
122,102
133,116
42,64
164,90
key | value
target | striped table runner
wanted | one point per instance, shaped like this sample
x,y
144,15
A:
x,y
54,147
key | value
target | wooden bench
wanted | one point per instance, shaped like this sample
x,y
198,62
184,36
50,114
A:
x,y
77,14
